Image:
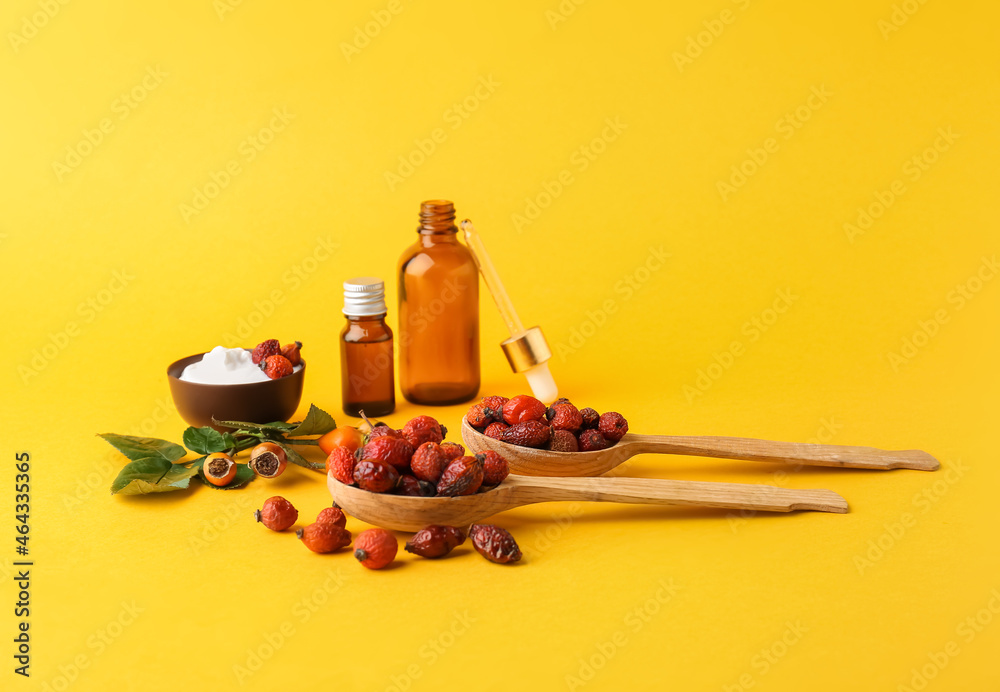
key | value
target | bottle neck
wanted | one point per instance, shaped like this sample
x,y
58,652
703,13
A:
x,y
437,222
366,318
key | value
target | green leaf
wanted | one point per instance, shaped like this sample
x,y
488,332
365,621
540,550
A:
x,y
298,459
278,426
244,474
206,440
229,440
317,422
136,448
151,475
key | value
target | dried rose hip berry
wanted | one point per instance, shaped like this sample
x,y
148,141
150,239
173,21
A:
x,y
479,416
590,417
592,440
324,537
268,460
219,469
375,548
277,513
495,404
530,433
613,426
435,541
563,441
383,430
423,429
461,477
333,515
564,416
409,485
452,450
292,352
495,430
270,347
523,408
429,462
495,468
494,543
340,464
375,475
276,367
392,450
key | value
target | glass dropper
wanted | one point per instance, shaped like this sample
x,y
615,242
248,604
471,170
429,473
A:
x,y
527,350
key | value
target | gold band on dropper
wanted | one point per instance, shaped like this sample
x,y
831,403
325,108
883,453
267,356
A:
x,y
526,350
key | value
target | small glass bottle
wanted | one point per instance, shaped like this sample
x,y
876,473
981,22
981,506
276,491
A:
x,y
366,373
438,312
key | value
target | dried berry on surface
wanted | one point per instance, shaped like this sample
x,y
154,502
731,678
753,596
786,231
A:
x,y
435,541
375,548
494,543
324,537
333,515
276,513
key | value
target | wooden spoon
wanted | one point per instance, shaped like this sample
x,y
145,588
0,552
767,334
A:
x,y
414,513
542,462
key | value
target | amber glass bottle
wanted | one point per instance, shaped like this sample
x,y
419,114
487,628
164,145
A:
x,y
366,373
438,312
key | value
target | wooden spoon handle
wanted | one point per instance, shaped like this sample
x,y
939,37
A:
x,y
789,452
529,490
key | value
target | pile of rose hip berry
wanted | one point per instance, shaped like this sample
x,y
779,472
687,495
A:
x,y
377,548
412,461
524,420
374,548
416,461
275,360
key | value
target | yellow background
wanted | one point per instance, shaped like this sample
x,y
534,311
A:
x,y
213,586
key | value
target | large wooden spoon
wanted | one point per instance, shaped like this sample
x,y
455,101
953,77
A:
x,y
414,513
542,462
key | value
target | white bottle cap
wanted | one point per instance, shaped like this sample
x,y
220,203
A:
x,y
364,296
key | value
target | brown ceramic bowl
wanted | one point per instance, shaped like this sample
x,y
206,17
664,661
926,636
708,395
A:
x,y
256,402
